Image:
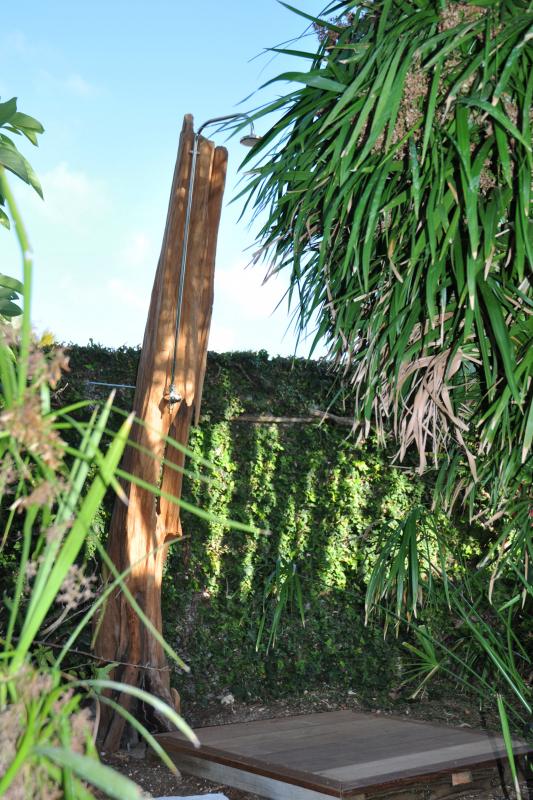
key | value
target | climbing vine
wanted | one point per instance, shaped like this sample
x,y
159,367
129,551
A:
x,y
322,505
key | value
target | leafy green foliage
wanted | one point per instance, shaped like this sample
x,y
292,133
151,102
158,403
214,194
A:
x,y
334,514
396,189
10,290
423,577
323,507
396,185
47,506
14,122
11,159
285,587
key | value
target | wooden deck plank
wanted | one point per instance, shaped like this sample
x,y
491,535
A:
x,y
346,744
259,736
340,753
413,763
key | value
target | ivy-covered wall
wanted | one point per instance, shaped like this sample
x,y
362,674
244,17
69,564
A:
x,y
281,611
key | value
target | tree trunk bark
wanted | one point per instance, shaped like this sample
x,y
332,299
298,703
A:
x,y
141,530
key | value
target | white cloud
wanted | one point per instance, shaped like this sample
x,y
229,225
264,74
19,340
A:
x,y
127,295
72,198
139,251
221,338
79,86
59,81
243,289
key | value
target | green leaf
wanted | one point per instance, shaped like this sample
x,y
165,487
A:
x,y
9,309
469,189
510,64
11,283
317,20
501,336
112,783
506,732
432,104
28,126
12,160
23,121
314,79
138,609
50,580
498,115
503,154
288,52
150,740
147,698
8,110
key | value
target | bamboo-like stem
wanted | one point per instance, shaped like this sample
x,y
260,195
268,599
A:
x,y
27,269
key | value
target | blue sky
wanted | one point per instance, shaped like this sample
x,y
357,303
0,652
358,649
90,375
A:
x,y
111,81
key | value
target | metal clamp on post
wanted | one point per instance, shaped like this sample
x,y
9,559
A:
x,y
173,396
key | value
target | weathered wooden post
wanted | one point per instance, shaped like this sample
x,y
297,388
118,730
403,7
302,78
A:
x,y
147,523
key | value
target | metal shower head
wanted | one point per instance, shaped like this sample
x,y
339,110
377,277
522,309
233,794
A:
x,y
250,140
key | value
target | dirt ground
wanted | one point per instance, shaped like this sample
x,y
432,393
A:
x,y
158,781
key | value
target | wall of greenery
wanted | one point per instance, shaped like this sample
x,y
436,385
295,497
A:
x,y
281,611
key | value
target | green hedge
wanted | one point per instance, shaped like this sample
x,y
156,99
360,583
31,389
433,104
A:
x,y
322,503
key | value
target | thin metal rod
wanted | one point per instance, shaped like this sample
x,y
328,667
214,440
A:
x,y
172,388
223,119
173,396
113,385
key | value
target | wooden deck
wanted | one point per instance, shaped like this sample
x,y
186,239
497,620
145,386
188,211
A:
x,y
339,754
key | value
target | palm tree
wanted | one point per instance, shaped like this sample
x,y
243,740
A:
x,y
397,190
396,187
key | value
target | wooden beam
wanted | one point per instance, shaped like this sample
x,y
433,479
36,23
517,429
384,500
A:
x,y
315,416
461,778
140,531
261,785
